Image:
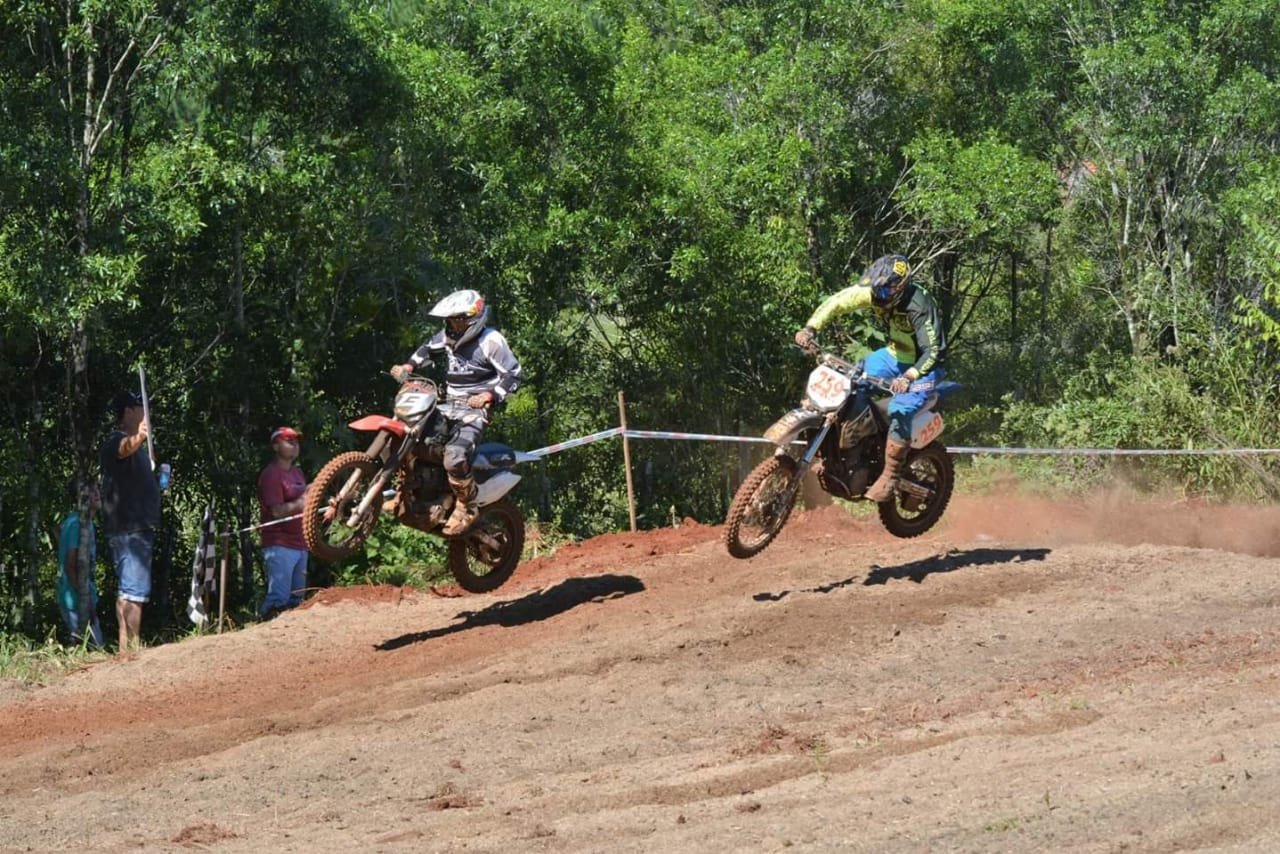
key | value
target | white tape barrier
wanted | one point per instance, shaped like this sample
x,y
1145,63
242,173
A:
x,y
386,493
1120,452
540,453
1079,452
522,456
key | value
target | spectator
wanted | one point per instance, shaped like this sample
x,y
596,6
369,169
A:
x,y
131,508
281,491
69,569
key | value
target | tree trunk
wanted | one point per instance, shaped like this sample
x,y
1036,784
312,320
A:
x,y
5,587
947,265
246,548
31,593
1042,351
245,407
78,400
237,271
77,409
1013,309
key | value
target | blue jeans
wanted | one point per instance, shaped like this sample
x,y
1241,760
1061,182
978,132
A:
x,y
286,577
71,616
131,553
903,407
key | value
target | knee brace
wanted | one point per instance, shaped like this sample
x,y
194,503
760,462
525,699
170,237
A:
x,y
457,461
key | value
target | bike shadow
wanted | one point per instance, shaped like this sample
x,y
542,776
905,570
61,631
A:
x,y
918,570
534,607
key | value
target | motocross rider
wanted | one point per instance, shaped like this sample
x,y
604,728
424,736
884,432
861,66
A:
x,y
912,361
481,371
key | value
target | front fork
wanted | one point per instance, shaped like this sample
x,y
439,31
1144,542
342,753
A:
x,y
806,459
375,489
812,451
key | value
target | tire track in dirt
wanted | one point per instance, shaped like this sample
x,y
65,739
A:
x,y
647,689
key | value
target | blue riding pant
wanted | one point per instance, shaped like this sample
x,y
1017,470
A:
x,y
903,407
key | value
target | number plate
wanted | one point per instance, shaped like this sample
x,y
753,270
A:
x,y
928,432
828,388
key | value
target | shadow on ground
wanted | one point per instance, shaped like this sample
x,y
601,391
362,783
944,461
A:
x,y
536,606
917,570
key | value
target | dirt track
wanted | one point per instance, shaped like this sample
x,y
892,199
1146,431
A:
x,y
1028,676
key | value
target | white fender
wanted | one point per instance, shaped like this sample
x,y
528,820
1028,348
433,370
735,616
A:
x,y
925,427
496,487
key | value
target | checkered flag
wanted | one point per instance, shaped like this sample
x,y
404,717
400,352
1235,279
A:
x,y
204,578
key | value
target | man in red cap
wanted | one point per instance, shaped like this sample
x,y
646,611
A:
x,y
281,490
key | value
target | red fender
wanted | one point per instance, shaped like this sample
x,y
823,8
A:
x,y
374,423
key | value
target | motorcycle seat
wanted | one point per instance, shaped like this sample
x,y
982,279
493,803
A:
x,y
494,455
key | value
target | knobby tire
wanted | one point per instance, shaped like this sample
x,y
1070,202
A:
x,y
745,501
934,456
501,520
314,527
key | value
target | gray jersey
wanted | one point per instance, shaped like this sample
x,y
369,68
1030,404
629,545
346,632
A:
x,y
483,364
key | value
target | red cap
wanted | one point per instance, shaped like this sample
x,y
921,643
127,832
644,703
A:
x,y
285,433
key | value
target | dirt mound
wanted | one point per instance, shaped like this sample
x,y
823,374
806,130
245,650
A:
x,y
611,551
362,593
202,835
1027,676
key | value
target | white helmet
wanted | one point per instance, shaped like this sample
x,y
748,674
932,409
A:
x,y
467,305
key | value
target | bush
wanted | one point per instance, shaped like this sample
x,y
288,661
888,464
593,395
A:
x,y
1123,402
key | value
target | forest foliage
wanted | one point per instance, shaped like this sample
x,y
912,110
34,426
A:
x,y
258,199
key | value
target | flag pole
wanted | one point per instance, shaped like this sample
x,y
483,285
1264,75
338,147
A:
x,y
146,415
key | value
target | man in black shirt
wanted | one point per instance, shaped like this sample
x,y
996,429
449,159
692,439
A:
x,y
131,509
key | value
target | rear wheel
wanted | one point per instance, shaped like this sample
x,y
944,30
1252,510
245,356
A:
x,y
340,487
761,506
483,558
929,469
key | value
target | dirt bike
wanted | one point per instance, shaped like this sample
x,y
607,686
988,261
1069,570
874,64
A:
x,y
405,463
843,429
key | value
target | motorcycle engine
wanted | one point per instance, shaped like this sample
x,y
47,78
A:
x,y
847,474
425,497
847,462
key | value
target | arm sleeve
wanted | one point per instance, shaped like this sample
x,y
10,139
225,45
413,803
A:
x,y
504,362
841,302
428,351
111,449
931,342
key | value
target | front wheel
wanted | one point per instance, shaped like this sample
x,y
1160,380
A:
x,y
761,506
483,558
337,490
928,470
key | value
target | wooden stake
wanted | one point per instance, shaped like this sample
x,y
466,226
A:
x,y
222,579
626,460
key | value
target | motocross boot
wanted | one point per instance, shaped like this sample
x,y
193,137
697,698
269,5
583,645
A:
x,y
895,451
465,508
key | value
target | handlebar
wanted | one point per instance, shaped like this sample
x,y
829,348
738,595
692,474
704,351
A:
x,y
411,378
854,370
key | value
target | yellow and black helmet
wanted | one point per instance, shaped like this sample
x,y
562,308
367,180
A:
x,y
888,278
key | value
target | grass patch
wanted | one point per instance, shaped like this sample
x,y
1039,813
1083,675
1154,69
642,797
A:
x,y
34,663
1004,825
